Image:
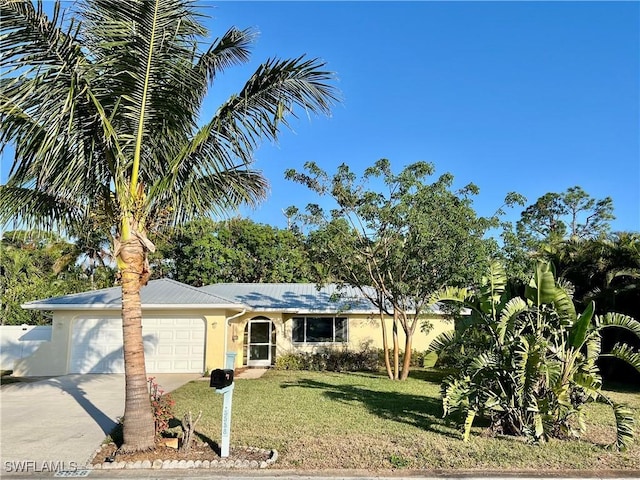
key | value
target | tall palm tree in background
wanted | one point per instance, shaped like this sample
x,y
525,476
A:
x,y
102,104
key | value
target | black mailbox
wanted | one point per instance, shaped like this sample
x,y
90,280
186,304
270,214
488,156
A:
x,y
221,378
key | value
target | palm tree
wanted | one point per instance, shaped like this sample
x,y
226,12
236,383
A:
x,y
102,104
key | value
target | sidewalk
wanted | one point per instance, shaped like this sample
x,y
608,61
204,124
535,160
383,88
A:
x,y
250,373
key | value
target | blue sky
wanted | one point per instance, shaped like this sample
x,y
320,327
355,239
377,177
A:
x,y
531,97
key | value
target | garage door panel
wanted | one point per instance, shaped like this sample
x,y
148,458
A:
x,y
172,345
164,350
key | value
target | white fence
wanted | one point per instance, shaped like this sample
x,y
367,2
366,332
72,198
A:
x,y
20,341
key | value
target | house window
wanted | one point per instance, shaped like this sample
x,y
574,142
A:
x,y
319,330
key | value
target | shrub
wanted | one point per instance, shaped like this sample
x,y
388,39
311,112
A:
x,y
330,359
289,361
346,360
162,405
418,359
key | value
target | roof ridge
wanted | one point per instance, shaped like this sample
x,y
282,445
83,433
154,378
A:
x,y
195,289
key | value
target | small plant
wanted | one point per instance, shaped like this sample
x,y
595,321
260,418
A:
x,y
162,405
398,461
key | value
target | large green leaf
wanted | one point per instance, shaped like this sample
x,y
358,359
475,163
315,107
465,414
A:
x,y
509,316
492,288
468,423
578,332
443,341
455,394
542,286
625,424
563,304
449,294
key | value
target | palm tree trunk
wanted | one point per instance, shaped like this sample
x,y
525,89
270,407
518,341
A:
x,y
138,425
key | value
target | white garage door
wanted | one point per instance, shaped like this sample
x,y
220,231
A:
x,y
171,345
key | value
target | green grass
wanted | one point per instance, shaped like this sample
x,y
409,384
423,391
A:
x,y
361,420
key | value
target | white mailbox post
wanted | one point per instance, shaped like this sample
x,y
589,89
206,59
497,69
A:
x,y
227,398
222,381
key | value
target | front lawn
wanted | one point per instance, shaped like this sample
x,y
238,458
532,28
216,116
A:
x,y
361,420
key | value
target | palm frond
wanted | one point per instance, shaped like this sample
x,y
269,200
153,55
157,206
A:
x,y
31,41
214,193
443,342
619,320
449,294
468,423
593,347
484,361
509,315
36,209
626,353
455,394
268,97
229,50
564,306
529,364
44,108
625,424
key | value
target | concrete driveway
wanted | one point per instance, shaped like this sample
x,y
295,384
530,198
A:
x,y
59,422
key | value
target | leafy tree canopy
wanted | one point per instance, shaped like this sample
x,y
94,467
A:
x,y
550,222
237,250
36,265
400,233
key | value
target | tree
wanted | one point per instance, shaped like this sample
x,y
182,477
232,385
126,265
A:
x,y
398,242
103,107
31,268
606,270
545,226
535,366
236,250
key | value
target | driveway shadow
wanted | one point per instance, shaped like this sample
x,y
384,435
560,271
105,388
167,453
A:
x,y
79,394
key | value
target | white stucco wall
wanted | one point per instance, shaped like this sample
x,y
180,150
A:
x,y
20,341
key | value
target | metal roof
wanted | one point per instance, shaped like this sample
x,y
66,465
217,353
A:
x,y
169,294
163,293
294,297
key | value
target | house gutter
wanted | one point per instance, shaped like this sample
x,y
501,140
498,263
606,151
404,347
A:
x,y
227,321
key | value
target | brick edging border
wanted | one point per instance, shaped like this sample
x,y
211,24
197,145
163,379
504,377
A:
x,y
188,464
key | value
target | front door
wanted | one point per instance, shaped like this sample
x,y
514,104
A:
x,y
260,343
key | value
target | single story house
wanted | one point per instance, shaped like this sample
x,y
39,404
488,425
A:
x,y
188,329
